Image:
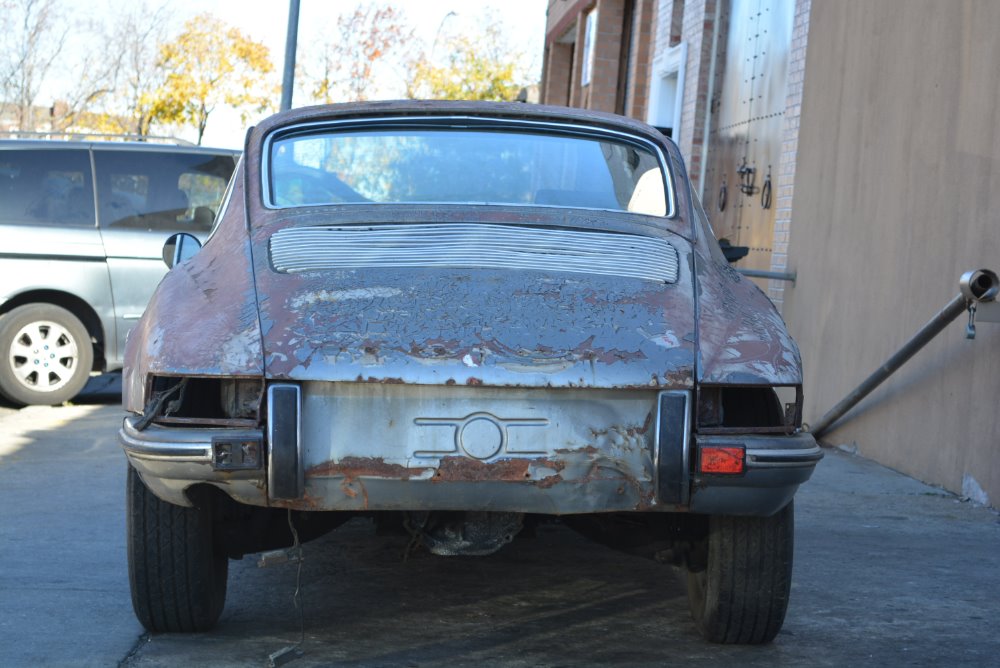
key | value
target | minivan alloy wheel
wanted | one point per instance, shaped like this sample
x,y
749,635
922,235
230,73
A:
x,y
47,354
43,356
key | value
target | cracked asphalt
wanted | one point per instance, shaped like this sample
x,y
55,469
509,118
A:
x,y
888,571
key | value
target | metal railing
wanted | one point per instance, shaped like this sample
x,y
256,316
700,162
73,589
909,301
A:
x,y
774,275
975,287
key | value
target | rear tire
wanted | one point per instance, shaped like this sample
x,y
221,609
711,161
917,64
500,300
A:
x,y
176,572
741,593
45,355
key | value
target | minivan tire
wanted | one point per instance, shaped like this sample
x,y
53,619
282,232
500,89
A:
x,y
176,571
46,355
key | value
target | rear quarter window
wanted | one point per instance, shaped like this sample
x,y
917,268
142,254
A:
x,y
46,187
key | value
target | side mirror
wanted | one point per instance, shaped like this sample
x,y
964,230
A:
x,y
180,247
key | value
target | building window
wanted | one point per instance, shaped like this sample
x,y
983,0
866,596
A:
x,y
589,40
666,95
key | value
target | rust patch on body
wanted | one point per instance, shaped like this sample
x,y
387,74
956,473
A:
x,y
549,481
588,450
383,381
632,431
462,469
355,467
587,351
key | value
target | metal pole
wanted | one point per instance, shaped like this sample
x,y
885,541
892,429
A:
x,y
976,286
291,40
774,275
955,308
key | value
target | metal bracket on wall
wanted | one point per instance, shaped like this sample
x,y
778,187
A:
x,y
747,173
773,275
765,191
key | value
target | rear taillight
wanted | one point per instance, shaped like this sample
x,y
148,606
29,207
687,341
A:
x,y
720,459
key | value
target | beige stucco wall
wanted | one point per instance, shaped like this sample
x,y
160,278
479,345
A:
x,y
897,192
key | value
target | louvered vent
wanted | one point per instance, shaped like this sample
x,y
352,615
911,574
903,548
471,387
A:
x,y
469,245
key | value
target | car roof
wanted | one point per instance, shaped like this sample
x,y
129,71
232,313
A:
x,y
52,144
459,108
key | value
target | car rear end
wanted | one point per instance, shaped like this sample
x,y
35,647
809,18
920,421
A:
x,y
468,317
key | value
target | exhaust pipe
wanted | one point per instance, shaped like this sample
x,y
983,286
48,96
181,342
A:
x,y
976,286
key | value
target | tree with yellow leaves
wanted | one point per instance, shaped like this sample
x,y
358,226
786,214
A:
x,y
208,64
482,67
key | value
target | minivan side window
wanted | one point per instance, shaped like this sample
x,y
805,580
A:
x,y
46,187
160,191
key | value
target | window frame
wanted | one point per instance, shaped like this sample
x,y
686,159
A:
x,y
462,123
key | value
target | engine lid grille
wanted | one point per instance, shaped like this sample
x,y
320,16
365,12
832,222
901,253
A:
x,y
473,245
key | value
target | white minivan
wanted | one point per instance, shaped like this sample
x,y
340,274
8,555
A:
x,y
82,227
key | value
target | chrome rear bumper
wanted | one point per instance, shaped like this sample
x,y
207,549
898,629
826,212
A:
x,y
359,447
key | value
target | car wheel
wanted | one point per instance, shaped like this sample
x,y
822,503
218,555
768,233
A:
x,y
176,572
47,355
740,593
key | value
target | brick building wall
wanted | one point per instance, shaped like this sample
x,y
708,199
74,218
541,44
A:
x,y
698,24
661,32
619,72
558,67
694,23
785,182
639,58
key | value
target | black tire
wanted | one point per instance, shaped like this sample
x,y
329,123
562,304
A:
x,y
741,594
45,355
176,572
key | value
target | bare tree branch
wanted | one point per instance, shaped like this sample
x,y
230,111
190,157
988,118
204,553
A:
x,y
33,34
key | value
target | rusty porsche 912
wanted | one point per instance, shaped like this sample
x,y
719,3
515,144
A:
x,y
460,319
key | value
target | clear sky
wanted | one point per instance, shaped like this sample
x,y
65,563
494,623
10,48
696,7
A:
x,y
267,21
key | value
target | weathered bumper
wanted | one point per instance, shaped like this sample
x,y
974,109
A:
x,y
172,459
357,447
775,467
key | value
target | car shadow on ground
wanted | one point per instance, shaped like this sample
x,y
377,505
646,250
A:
x,y
103,389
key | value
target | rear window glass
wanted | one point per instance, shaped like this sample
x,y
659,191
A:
x,y
160,191
452,165
46,187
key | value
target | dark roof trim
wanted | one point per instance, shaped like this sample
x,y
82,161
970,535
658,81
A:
x,y
416,108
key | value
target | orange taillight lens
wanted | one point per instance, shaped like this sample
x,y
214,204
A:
x,y
722,459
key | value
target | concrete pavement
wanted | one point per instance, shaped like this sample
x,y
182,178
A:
x,y
888,572
64,596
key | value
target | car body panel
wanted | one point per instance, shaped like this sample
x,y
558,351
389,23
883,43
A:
x,y
743,340
211,299
73,264
475,326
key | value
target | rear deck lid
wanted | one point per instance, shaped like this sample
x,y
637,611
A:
x,y
475,303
